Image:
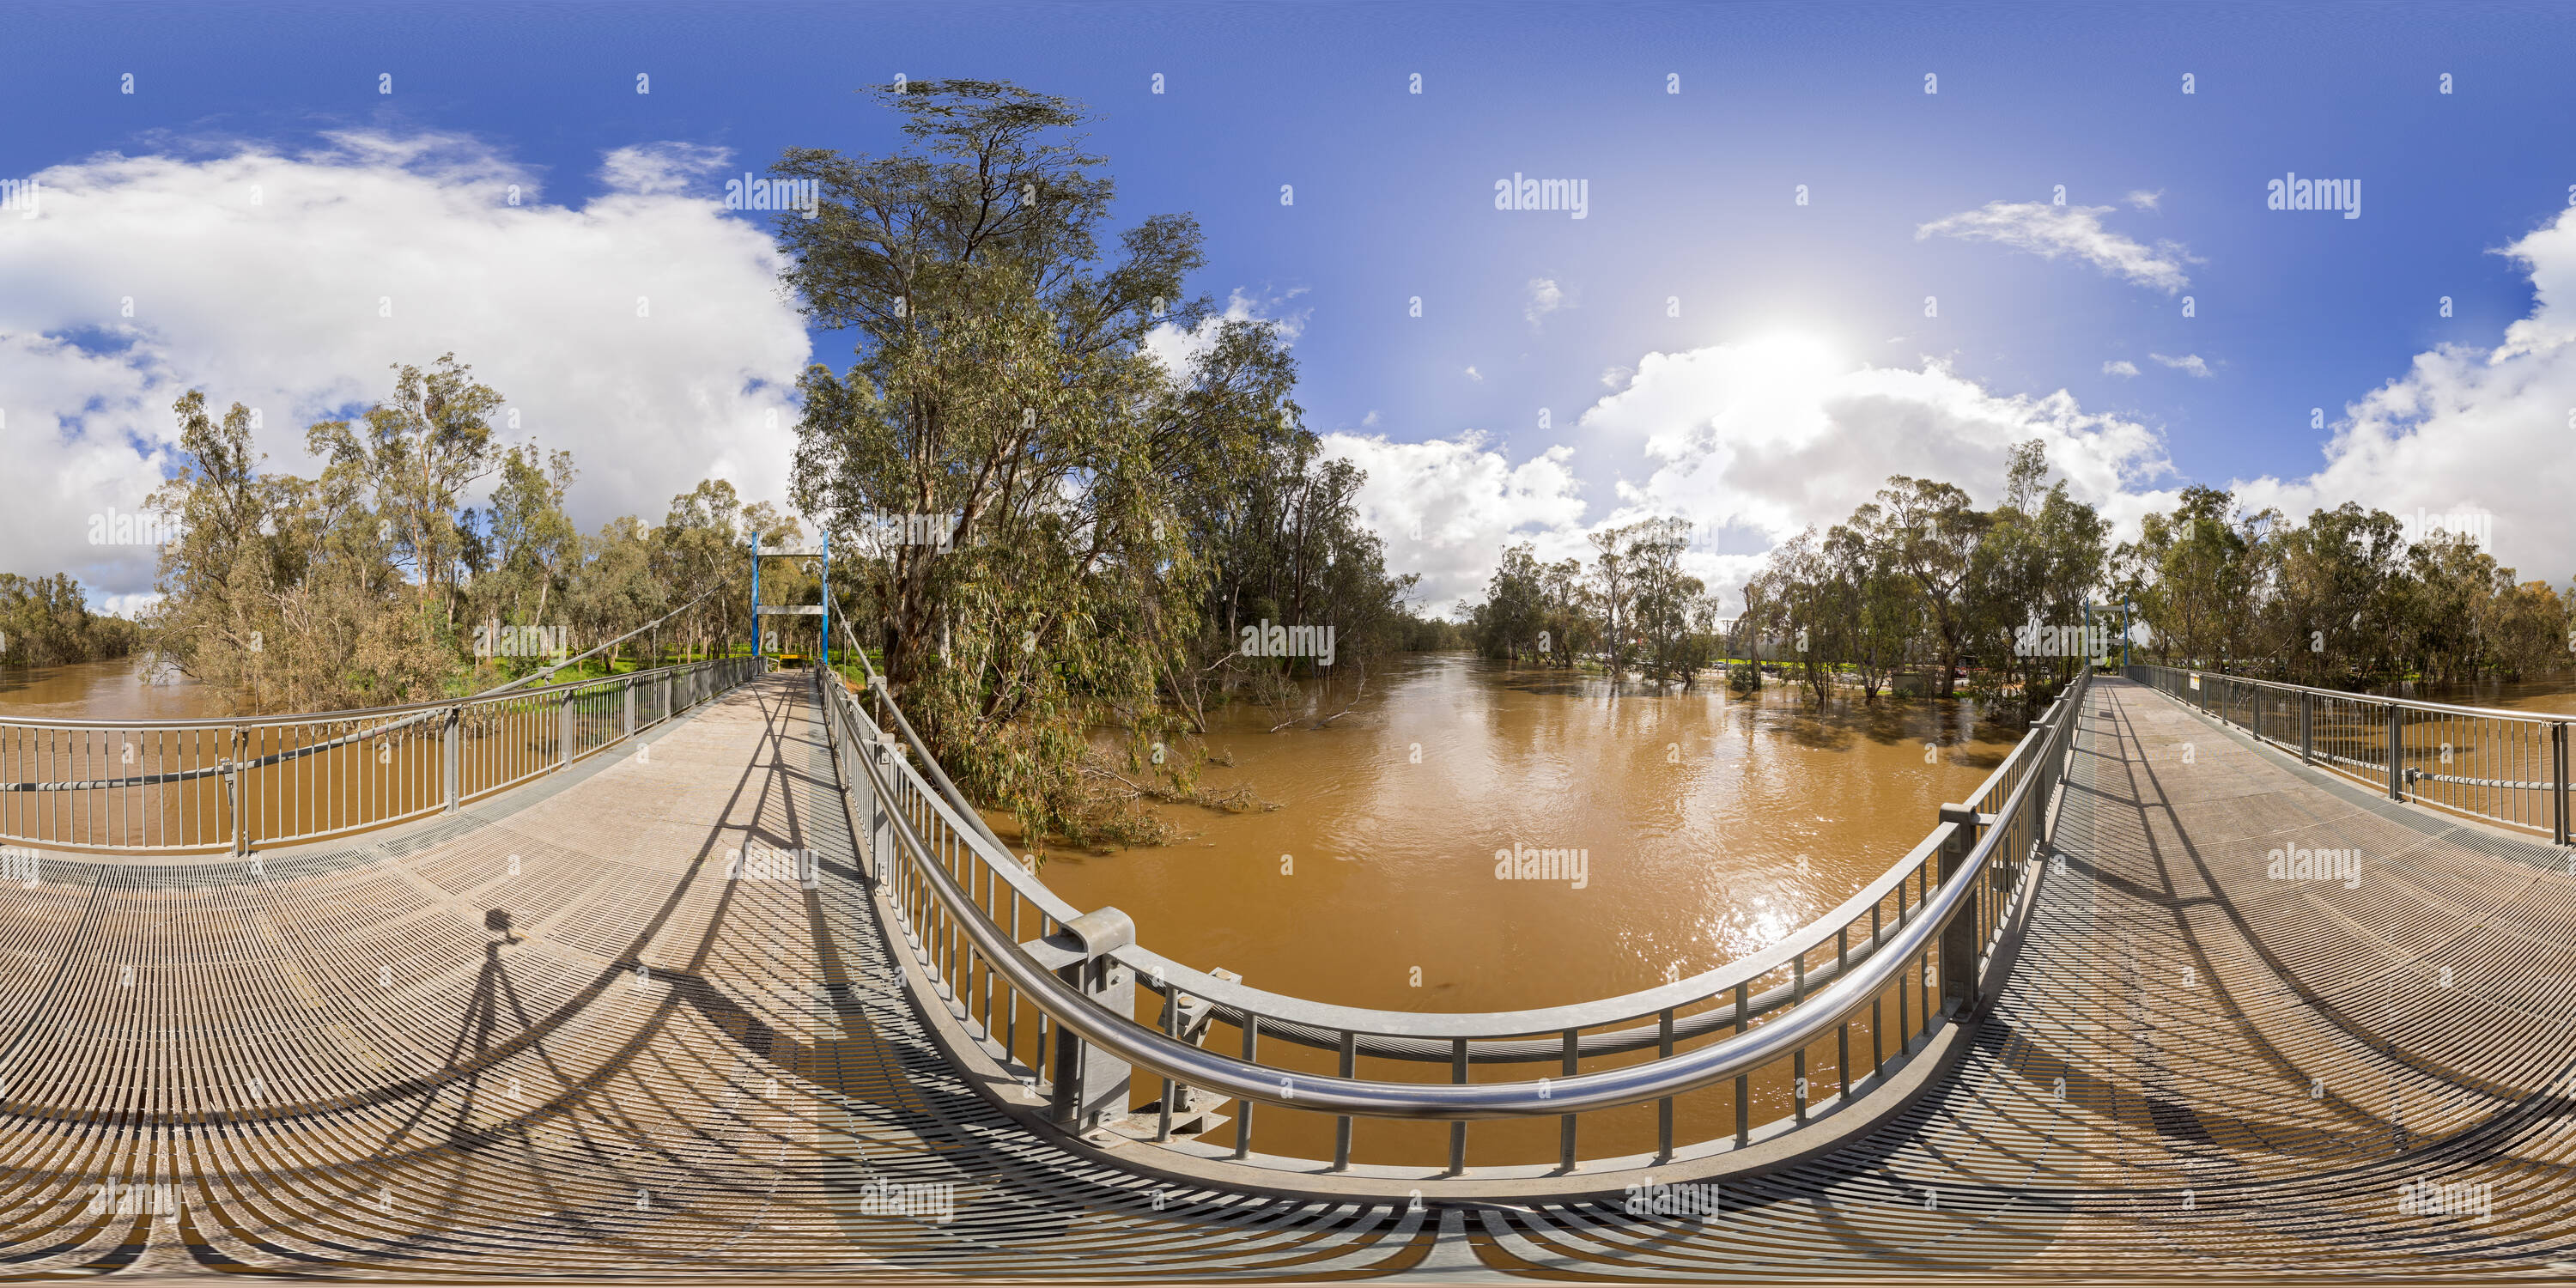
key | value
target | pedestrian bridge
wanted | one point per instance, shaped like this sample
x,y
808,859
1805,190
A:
x,y
709,970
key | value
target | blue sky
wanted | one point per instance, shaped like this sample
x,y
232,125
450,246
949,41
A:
x,y
1691,194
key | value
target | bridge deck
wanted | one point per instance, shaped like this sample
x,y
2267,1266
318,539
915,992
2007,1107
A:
x,y
350,1066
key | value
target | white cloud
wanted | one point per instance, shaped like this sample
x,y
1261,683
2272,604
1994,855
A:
x,y
664,169
1176,348
260,276
2119,367
2145,200
1544,298
2472,429
2189,362
1473,374
1447,507
1771,436
1754,440
1613,377
2052,231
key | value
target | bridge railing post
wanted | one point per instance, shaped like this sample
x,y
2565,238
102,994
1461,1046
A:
x,y
2307,727
1090,1085
233,790
563,730
2566,833
2396,752
447,757
1959,939
630,709
881,811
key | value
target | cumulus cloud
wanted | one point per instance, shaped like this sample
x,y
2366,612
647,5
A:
x,y
1751,441
643,331
1544,298
1447,507
1769,437
2189,362
2119,367
2471,430
1475,375
2145,200
1748,443
1177,347
2052,232
663,169
1613,377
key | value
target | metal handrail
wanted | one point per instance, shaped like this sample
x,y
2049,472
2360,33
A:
x,y
2516,762
2026,781
2378,699
338,796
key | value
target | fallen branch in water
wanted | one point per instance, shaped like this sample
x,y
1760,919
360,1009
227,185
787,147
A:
x,y
1356,695
1240,800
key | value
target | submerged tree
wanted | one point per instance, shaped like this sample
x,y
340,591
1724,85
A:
x,y
1002,406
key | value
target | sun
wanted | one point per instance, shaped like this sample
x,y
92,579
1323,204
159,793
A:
x,y
1792,349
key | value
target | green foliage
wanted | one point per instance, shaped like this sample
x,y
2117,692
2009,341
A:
x,y
1918,577
1632,612
45,621
2341,601
372,585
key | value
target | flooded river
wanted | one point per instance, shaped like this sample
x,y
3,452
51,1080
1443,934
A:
x,y
125,688
1709,825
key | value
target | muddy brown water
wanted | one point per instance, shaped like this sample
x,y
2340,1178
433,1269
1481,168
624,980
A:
x,y
1711,825
125,688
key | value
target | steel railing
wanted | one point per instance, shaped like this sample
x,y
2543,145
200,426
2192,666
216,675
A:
x,y
207,786
1051,991
2507,767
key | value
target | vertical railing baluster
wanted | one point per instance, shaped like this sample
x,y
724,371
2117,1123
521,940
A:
x,y
1743,1082
1565,1144
1877,1022
1798,1058
2396,753
1172,1029
1842,1031
1458,1126
2558,783
1664,1106
1342,1122
1904,978
1251,1053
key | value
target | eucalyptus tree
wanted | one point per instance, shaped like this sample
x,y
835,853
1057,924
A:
x,y
2530,630
1002,394
702,550
2040,560
2455,585
1508,624
533,544
2340,595
415,454
2198,574
45,620
1931,531
216,573
1669,614
1879,606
